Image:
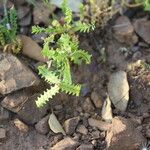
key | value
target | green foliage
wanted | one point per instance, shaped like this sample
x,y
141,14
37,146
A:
x,y
61,47
136,3
8,32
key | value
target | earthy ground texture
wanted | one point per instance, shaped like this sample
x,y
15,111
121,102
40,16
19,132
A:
x,y
113,109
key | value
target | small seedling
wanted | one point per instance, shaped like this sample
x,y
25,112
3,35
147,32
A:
x,y
61,47
8,31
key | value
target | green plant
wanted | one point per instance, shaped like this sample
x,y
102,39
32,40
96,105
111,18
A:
x,y
137,3
8,31
97,11
61,47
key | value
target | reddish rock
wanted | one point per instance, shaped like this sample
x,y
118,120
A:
x,y
123,135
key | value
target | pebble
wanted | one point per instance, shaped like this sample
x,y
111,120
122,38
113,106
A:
x,y
118,90
31,49
42,126
21,126
66,144
95,135
96,100
87,105
71,124
124,31
82,129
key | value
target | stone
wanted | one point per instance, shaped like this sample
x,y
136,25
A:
x,y
71,124
31,49
123,135
15,101
42,126
101,125
2,134
87,105
85,147
142,28
30,113
66,144
22,11
14,75
26,21
96,100
21,126
95,135
124,31
41,13
118,90
82,129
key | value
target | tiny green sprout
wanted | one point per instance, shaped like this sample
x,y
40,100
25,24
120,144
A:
x,y
8,31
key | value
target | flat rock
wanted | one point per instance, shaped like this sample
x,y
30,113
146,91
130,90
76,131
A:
x,y
31,49
96,99
15,101
71,124
85,147
123,135
14,75
118,90
101,125
124,31
2,134
29,113
142,28
42,126
66,144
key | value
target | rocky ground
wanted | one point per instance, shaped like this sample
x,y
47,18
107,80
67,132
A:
x,y
113,111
